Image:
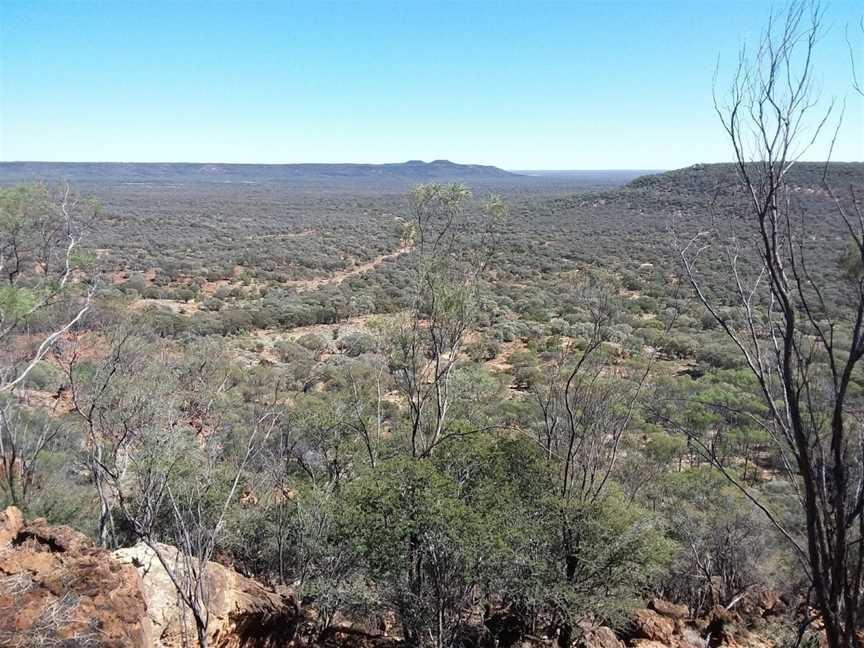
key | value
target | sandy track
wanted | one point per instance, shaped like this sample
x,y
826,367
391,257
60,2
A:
x,y
305,285
300,285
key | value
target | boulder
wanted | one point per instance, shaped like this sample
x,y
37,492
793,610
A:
x,y
725,630
11,522
242,611
58,588
759,603
349,636
531,641
668,610
600,637
647,624
721,623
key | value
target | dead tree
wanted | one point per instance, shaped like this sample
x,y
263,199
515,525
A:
x,y
802,350
158,489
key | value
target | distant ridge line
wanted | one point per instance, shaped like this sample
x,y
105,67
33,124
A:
x,y
207,169
311,176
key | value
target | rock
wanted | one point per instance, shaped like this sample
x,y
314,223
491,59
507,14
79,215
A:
x,y
668,610
600,637
11,521
242,611
369,624
349,631
647,624
530,641
759,603
348,636
58,588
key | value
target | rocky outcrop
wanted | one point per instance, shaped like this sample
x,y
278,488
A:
x,y
599,637
57,588
652,626
667,609
667,625
243,613
760,604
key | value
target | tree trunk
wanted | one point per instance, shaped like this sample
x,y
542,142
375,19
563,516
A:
x,y
202,635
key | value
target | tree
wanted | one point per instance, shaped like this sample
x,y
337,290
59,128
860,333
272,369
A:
x,y
117,398
409,526
803,350
450,257
40,231
24,438
182,490
586,407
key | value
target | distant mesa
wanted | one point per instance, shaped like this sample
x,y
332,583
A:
x,y
300,175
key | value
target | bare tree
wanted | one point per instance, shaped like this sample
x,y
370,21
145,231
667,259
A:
x,y
587,407
365,400
195,502
276,465
803,350
22,442
40,232
116,399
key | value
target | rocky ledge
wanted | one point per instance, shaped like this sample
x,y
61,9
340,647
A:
x,y
57,588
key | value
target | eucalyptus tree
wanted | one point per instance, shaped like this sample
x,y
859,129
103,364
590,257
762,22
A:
x,y
451,255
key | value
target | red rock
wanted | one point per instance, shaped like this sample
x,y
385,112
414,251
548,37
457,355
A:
x,y
647,624
11,521
668,610
601,637
56,586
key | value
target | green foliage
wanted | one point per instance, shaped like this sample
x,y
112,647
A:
x,y
45,377
16,302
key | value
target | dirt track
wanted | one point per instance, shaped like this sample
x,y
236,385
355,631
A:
x,y
304,285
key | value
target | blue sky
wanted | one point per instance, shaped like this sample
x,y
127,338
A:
x,y
522,85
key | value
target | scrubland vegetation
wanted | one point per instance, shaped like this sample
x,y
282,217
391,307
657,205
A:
x,y
422,404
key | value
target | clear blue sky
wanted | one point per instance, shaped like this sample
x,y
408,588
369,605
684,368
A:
x,y
522,85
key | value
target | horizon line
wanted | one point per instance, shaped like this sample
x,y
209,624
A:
x,y
471,164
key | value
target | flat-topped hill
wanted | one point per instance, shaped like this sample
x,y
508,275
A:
x,y
396,177
314,174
